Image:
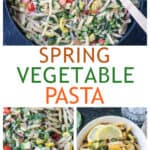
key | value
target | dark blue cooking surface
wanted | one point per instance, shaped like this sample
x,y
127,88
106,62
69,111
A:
x,y
13,36
89,114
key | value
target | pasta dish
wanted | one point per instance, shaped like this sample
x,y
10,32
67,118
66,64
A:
x,y
71,22
38,129
110,136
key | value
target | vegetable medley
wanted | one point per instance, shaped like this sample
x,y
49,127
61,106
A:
x,y
38,128
71,22
109,136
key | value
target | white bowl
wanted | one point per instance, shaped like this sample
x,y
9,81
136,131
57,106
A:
x,y
138,133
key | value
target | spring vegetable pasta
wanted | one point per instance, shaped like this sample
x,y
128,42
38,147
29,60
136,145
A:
x,y
71,22
109,136
38,129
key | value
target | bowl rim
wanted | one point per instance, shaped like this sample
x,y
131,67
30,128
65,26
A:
x,y
112,119
30,42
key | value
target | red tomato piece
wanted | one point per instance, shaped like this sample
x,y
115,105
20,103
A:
x,y
7,110
6,147
101,41
86,12
56,136
31,7
69,1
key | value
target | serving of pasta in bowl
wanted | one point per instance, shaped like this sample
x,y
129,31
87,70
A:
x,y
72,22
38,129
111,133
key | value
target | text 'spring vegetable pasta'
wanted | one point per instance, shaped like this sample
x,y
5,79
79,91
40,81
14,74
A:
x,y
109,136
71,22
38,128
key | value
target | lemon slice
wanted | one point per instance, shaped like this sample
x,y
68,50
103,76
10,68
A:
x,y
103,132
92,136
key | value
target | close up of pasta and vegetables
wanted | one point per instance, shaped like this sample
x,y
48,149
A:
x,y
53,129
71,22
108,136
108,129
38,128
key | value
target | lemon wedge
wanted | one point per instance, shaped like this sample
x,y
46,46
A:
x,y
92,136
103,132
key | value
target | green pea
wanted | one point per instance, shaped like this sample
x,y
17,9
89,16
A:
x,y
36,36
70,16
85,29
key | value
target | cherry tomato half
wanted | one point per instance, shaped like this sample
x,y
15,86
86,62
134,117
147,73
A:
x,y
6,147
7,110
56,136
69,1
31,7
101,41
86,12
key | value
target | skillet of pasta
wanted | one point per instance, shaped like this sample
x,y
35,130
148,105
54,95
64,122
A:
x,y
71,22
